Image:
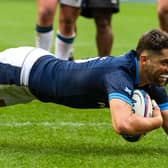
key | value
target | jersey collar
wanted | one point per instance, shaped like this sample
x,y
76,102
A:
x,y
136,70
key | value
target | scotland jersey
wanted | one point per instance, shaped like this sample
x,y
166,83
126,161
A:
x,y
89,83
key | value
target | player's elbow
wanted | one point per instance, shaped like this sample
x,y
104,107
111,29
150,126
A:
x,y
122,128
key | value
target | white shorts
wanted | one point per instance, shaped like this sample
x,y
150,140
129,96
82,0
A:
x,y
73,3
16,64
23,58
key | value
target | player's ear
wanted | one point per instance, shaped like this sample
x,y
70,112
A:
x,y
143,58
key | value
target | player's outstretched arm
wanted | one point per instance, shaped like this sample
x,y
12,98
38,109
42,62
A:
x,y
124,121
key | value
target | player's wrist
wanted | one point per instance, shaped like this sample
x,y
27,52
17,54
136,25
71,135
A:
x,y
159,121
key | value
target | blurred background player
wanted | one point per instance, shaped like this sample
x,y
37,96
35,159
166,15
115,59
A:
x,y
101,12
66,33
162,11
69,11
44,27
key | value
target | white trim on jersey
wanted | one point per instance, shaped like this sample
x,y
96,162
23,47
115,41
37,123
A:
x,y
89,59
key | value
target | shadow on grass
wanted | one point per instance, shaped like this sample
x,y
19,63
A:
x,y
84,149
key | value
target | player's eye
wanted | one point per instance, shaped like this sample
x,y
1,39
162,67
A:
x,y
164,62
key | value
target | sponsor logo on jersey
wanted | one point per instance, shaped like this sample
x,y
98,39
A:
x,y
128,90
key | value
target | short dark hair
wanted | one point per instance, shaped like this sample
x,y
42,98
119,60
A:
x,y
153,41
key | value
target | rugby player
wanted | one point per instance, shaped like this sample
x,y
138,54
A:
x,y
27,73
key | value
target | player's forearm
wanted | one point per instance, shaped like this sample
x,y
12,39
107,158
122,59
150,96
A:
x,y
135,125
126,122
140,125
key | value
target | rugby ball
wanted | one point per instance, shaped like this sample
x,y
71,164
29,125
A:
x,y
142,105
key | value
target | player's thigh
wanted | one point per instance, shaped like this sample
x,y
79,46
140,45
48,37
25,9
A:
x,y
67,19
46,6
69,10
69,13
102,16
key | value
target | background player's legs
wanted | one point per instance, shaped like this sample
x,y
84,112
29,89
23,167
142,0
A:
x,y
45,18
104,35
102,12
66,33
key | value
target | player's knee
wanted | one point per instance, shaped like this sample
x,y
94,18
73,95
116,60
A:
x,y
67,25
46,16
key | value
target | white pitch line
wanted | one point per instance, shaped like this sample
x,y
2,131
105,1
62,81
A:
x,y
53,124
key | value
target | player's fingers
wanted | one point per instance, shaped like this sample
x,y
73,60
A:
x,y
155,105
156,109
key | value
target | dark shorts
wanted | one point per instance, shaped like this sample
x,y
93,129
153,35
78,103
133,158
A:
x,y
90,8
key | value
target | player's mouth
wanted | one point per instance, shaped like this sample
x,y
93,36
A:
x,y
163,79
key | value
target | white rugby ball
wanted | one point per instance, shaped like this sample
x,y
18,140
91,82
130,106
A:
x,y
142,105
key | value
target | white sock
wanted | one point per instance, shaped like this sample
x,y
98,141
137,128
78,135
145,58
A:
x,y
64,46
44,40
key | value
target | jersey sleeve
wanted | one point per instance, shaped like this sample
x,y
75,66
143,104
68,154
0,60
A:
x,y
119,85
159,94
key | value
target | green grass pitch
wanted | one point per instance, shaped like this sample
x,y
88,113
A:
x,y
38,135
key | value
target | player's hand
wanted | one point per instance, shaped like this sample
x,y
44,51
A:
x,y
156,111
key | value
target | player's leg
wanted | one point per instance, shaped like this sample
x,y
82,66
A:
x,y
11,64
102,12
162,11
104,34
69,12
44,27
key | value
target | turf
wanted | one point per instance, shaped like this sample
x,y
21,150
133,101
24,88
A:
x,y
38,135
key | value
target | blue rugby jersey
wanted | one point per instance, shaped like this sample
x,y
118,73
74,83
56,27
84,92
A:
x,y
86,84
